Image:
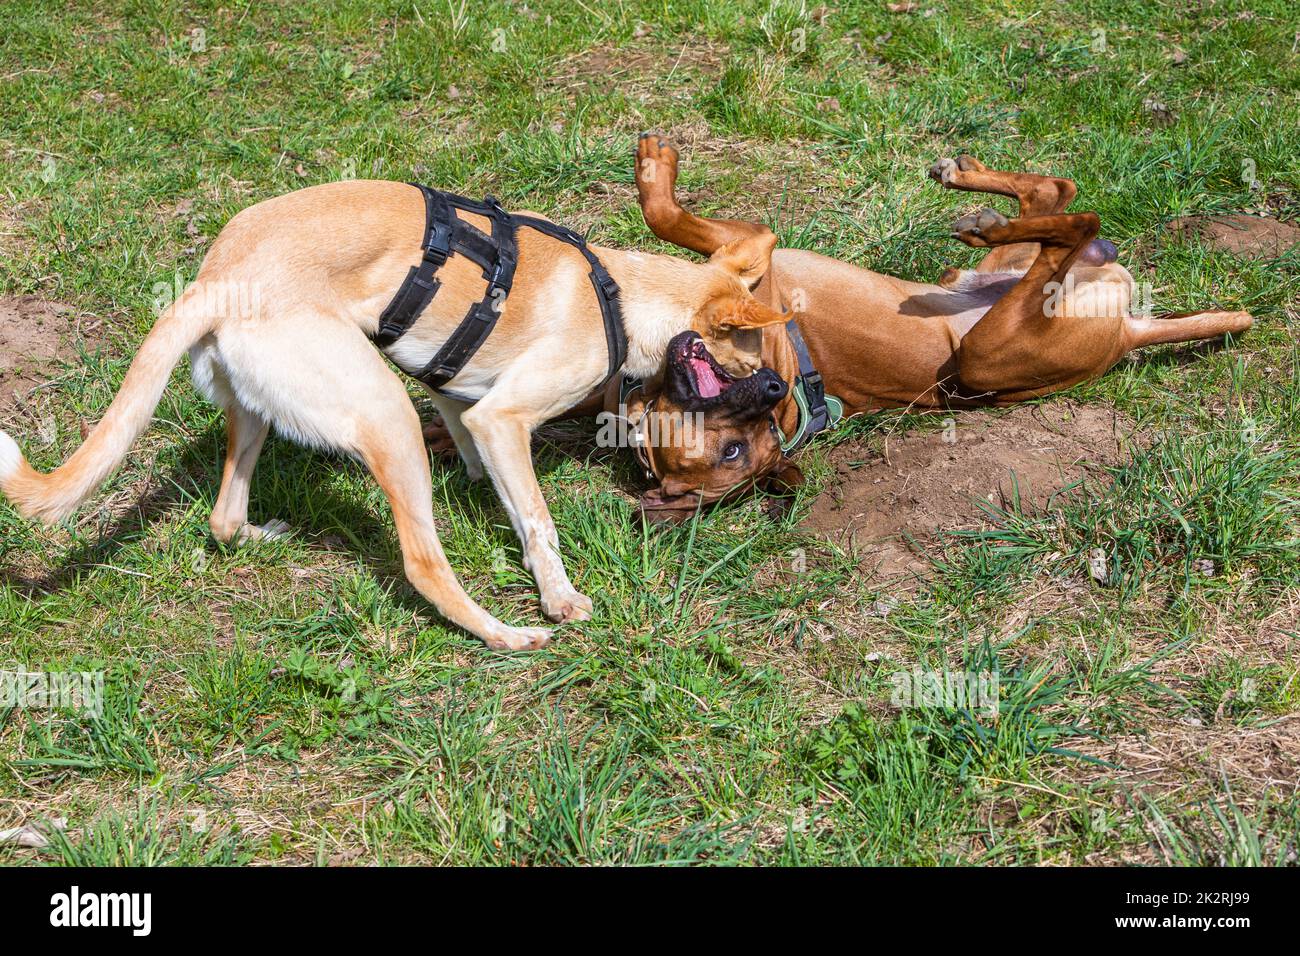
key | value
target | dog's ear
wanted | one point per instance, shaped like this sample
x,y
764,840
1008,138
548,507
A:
x,y
661,507
749,258
730,313
782,484
785,479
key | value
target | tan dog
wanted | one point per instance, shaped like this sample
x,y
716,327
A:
x,y
1047,308
276,326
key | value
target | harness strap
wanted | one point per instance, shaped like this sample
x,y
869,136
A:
x,y
814,389
475,245
817,410
611,310
497,255
419,286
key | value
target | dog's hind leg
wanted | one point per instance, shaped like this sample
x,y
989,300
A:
x,y
1044,335
1036,196
1185,327
321,382
1022,346
245,433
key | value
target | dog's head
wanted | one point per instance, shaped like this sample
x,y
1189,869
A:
x,y
708,435
731,320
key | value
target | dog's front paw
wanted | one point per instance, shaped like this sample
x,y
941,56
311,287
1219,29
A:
x,y
984,228
567,606
656,161
519,639
656,181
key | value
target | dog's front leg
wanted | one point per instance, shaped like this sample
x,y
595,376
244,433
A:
x,y
502,437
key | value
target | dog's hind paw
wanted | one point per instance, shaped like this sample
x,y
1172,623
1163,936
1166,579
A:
x,y
274,529
271,531
948,172
943,171
566,607
984,228
519,639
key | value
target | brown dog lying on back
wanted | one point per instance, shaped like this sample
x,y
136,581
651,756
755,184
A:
x,y
1047,308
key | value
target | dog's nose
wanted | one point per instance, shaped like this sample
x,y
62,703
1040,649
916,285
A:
x,y
773,386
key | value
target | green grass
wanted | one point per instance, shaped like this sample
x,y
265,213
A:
x,y
297,701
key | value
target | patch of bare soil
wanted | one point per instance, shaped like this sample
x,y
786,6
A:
x,y
889,489
1239,233
1267,755
35,335
640,71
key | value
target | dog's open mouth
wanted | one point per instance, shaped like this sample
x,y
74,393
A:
x,y
707,378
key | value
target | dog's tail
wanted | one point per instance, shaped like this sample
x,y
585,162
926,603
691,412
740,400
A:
x,y
52,497
1187,327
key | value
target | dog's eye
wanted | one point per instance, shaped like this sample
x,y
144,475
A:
x,y
733,450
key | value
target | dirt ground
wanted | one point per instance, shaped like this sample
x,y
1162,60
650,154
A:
x,y
35,335
1239,233
888,489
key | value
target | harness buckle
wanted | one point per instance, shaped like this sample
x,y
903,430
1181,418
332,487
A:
x,y
439,247
812,382
608,287
495,282
505,265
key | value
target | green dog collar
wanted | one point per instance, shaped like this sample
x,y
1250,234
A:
x,y
834,412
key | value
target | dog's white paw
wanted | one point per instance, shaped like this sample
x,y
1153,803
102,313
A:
x,y
271,531
519,639
566,606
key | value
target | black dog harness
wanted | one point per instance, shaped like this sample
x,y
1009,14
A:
x,y
817,410
497,255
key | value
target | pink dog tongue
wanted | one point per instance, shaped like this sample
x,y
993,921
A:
x,y
705,380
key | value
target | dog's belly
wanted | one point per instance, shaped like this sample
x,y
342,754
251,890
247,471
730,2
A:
x,y
412,354
1089,291
963,322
